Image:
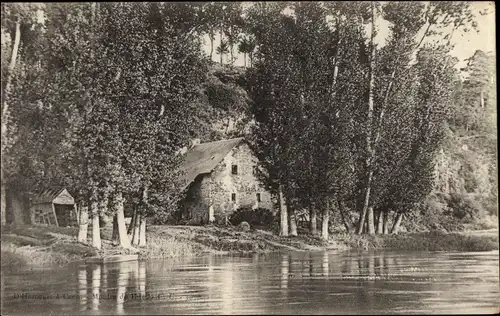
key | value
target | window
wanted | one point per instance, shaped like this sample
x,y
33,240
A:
x,y
233,197
234,169
258,197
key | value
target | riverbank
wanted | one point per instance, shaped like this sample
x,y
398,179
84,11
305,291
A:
x,y
40,246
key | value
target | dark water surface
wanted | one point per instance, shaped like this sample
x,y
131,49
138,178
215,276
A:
x,y
279,283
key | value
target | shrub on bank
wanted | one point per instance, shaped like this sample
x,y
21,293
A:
x,y
424,241
255,217
454,212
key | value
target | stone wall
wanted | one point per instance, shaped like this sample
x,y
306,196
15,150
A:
x,y
213,193
244,184
197,202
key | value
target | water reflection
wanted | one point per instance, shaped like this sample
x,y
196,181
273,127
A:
x,y
371,266
142,278
304,283
104,276
122,283
227,288
379,264
82,287
96,286
325,264
305,267
284,269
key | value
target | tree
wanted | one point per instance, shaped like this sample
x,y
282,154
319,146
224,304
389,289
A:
x,y
154,121
150,90
232,24
269,138
222,49
19,25
405,43
212,21
297,85
246,47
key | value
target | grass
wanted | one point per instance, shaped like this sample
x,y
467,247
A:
x,y
168,247
41,245
15,257
38,232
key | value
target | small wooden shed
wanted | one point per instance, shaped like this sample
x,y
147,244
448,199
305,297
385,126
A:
x,y
54,207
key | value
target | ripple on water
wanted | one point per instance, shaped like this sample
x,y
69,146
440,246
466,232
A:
x,y
289,283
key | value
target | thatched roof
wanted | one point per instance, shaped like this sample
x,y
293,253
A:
x,y
203,158
54,195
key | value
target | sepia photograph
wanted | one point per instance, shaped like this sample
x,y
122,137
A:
x,y
249,158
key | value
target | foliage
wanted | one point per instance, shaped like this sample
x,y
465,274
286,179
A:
x,y
467,162
254,217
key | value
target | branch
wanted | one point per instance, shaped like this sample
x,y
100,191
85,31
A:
x,y
424,35
474,136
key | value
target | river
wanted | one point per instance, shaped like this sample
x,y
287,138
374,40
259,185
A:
x,y
276,283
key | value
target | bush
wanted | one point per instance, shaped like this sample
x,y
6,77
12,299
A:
x,y
244,226
257,217
454,212
462,206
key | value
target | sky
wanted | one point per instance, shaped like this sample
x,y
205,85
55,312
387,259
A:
x,y
465,44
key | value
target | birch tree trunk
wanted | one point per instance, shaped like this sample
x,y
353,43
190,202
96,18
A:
x,y
397,223
283,213
369,148
293,222
8,83
211,47
122,229
380,222
313,221
142,218
130,229
386,223
370,221
5,112
83,223
114,235
344,220
142,232
336,64
221,54
96,232
325,222
135,233
232,53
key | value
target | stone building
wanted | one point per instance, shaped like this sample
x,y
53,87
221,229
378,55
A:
x,y
219,177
